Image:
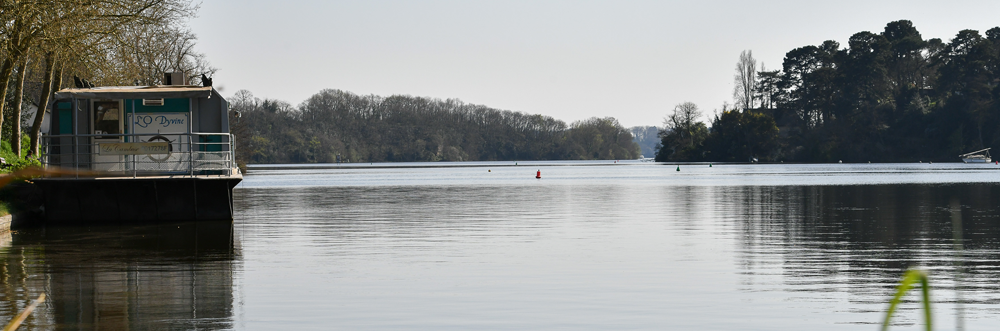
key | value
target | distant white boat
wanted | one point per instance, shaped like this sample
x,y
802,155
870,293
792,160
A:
x,y
980,156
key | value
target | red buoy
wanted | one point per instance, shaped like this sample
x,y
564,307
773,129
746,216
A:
x,y
538,174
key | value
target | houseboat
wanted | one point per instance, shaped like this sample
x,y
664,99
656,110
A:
x,y
139,154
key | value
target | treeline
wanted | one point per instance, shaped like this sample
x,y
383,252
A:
x,y
372,128
889,96
45,44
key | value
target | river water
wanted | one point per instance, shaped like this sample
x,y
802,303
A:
x,y
486,246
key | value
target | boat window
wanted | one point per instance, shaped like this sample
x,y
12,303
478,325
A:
x,y
107,118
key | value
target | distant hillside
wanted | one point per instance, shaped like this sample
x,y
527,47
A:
x,y
372,128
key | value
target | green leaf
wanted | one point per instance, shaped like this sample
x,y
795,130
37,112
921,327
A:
x,y
909,278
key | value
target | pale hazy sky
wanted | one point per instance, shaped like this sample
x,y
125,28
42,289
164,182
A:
x,y
632,60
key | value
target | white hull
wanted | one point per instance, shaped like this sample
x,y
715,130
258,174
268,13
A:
x,y
980,156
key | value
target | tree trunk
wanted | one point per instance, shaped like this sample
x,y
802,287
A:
x,y
57,80
47,89
15,125
5,72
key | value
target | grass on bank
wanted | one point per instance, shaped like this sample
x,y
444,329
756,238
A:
x,y
12,164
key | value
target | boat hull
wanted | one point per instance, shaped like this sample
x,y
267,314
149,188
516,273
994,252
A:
x,y
137,200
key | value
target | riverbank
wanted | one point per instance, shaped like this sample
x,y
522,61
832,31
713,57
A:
x,y
14,193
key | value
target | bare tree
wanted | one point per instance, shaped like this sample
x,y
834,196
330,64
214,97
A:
x,y
684,117
140,54
75,29
745,81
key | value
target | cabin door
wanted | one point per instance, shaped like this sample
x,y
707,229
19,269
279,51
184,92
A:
x,y
108,124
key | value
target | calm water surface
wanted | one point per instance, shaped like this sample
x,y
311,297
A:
x,y
591,245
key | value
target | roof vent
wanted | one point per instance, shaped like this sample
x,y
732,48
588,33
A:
x,y
174,78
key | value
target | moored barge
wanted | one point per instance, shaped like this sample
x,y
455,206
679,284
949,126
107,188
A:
x,y
139,154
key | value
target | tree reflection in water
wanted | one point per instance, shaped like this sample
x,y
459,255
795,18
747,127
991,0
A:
x,y
860,239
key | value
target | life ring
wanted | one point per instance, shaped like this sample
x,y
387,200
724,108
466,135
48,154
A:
x,y
170,148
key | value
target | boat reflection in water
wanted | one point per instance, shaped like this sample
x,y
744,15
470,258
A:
x,y
168,276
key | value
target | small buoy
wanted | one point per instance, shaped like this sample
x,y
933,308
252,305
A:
x,y
709,165
488,170
538,174
678,168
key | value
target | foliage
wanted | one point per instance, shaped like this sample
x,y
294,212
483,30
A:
x,y
891,97
109,42
683,145
15,162
741,136
405,128
888,96
684,135
600,139
909,279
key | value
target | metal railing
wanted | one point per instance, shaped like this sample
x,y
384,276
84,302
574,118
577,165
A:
x,y
189,154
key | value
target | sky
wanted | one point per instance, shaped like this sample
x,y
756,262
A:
x,y
571,60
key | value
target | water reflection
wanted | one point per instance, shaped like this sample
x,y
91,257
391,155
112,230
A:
x,y
858,240
629,250
170,276
617,256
